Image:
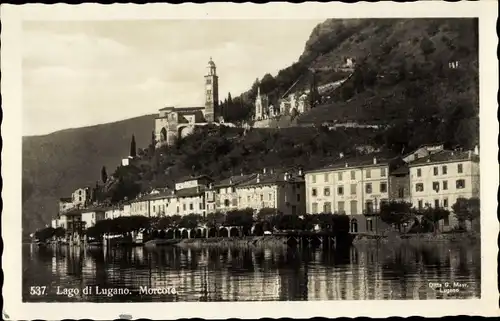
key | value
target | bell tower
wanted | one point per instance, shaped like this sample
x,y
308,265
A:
x,y
211,92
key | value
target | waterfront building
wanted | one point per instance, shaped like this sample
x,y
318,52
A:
x,y
222,196
283,191
173,122
439,179
355,186
90,216
140,206
65,204
71,221
80,197
113,212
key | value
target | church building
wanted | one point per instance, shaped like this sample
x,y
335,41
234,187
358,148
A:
x,y
173,122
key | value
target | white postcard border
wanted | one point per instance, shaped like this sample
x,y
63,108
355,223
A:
x,y
12,16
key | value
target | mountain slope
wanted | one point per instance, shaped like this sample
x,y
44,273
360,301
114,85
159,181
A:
x,y
58,163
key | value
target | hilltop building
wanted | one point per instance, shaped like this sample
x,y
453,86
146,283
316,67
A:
x,y
173,122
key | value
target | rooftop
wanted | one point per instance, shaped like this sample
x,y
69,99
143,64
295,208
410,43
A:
x,y
66,199
181,108
446,156
192,178
369,160
235,180
272,178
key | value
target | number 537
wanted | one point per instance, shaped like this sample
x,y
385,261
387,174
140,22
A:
x,y
37,290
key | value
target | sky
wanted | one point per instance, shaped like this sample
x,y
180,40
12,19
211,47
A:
x,y
84,73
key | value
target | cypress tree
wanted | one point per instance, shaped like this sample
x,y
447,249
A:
x,y
104,175
133,151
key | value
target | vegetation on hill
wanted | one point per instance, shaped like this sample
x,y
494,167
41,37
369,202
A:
x,y
402,78
56,164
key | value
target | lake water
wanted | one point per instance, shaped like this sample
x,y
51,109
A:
x,y
359,273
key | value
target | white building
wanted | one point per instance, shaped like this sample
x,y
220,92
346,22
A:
x,y
351,186
223,196
439,179
282,191
91,216
80,197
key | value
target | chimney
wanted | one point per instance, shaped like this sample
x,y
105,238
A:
x,y
230,181
301,172
476,150
470,154
341,155
264,170
346,165
258,178
286,176
374,160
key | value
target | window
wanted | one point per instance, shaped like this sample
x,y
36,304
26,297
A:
x,y
340,190
339,175
383,187
420,205
201,206
460,183
419,172
326,178
80,198
445,203
183,207
445,185
269,196
401,192
369,207
327,207
353,189
234,202
191,206
209,81
209,92
369,225
315,208
261,197
444,169
177,209
353,175
382,172
436,203
313,178
368,188
446,221
326,191
226,203
435,186
248,199
354,207
298,197
233,189
435,170
314,192
419,187
368,173
154,209
341,207
460,168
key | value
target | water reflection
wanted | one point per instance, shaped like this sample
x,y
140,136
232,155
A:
x,y
358,273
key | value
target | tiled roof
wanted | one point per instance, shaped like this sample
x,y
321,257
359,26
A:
x,y
72,212
235,180
359,161
66,199
272,178
190,178
446,156
400,170
168,108
190,192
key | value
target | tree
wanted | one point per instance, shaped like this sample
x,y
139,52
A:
x,y
190,221
229,100
242,218
396,213
215,219
133,149
104,175
467,209
434,215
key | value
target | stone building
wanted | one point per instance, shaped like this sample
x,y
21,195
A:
x,y
173,122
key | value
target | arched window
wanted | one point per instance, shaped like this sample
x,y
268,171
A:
x,y
354,225
163,134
